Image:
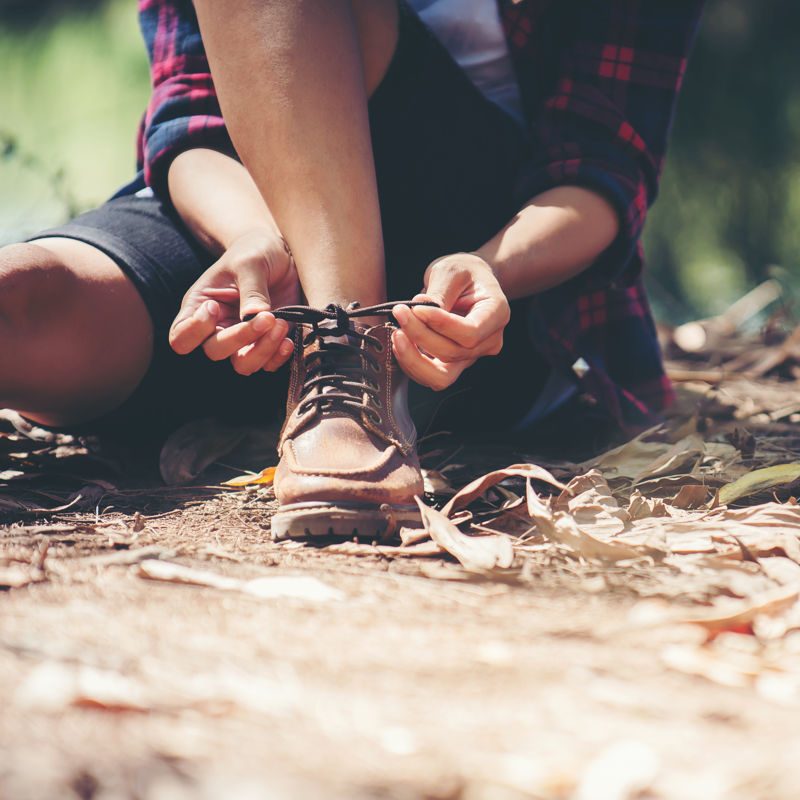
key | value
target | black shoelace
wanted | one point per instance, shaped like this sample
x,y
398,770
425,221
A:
x,y
342,371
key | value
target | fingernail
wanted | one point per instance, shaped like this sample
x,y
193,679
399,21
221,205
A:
x,y
286,348
260,322
401,313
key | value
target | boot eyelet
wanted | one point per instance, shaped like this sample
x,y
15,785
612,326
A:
x,y
377,402
378,346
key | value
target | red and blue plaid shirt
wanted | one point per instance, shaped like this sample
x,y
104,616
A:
x,y
599,81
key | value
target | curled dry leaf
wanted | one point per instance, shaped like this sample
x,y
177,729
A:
x,y
629,459
588,500
562,529
759,480
477,487
690,448
639,460
692,495
475,553
641,507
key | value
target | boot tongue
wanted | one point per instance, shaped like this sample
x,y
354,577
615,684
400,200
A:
x,y
339,355
329,330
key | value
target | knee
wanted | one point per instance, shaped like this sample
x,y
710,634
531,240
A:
x,y
32,280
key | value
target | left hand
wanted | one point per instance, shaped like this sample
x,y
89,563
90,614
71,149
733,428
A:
x,y
435,345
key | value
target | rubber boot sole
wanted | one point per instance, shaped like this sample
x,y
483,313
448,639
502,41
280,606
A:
x,y
306,521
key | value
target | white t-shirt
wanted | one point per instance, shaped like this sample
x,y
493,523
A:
x,y
472,33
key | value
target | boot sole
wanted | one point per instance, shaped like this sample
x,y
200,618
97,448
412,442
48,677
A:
x,y
306,521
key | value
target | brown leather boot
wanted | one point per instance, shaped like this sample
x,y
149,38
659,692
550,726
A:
x,y
348,462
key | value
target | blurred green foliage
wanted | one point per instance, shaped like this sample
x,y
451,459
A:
x,y
72,90
729,206
74,82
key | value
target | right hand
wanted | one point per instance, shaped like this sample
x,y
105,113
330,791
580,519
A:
x,y
253,276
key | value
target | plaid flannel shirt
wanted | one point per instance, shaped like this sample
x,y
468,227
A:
x,y
599,81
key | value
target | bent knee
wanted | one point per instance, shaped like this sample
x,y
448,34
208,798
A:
x,y
74,331
32,279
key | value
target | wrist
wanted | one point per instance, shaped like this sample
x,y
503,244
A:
x,y
217,200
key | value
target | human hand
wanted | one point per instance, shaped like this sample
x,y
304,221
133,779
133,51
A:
x,y
255,274
433,346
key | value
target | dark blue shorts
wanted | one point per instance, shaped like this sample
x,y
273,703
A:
x,y
446,161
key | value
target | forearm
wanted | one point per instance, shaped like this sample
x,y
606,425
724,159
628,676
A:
x,y
554,237
216,198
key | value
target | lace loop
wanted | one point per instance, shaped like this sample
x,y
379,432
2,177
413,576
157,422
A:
x,y
338,371
342,316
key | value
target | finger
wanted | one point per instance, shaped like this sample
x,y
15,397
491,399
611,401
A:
x,y
253,290
227,341
426,338
444,285
225,294
255,356
282,355
423,369
479,329
191,329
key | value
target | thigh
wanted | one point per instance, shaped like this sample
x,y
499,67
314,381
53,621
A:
x,y
447,159
154,259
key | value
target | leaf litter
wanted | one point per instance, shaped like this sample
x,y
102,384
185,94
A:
x,y
697,516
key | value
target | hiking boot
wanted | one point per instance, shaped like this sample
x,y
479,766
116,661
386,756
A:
x,y
348,462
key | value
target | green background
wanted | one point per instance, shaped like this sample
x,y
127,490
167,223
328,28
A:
x,y
74,82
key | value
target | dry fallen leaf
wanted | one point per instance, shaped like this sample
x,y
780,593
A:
x,y
475,553
190,449
477,487
737,616
265,477
692,495
627,460
561,528
589,501
298,587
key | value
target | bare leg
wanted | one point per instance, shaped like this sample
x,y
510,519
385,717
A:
x,y
75,336
293,78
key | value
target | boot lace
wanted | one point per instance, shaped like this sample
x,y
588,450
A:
x,y
343,372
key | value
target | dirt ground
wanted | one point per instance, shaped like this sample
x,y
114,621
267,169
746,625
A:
x,y
155,644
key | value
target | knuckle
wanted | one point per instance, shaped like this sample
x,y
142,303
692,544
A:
x,y
471,339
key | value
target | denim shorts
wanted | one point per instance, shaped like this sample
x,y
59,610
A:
x,y
446,161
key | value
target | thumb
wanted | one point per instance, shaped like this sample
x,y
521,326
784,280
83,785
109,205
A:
x,y
253,292
444,284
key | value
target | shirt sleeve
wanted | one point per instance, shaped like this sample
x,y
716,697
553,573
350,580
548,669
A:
x,y
606,122
183,111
